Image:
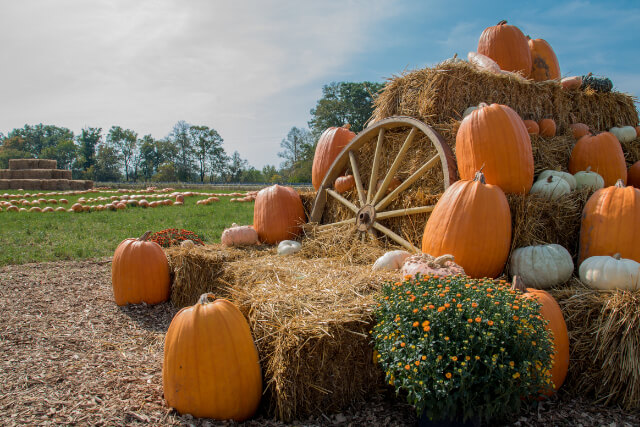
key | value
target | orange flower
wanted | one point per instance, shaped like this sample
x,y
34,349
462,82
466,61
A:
x,y
474,304
426,323
515,317
427,328
417,362
440,309
448,375
446,338
424,357
458,305
454,358
431,306
470,320
407,367
415,324
402,344
490,323
478,319
415,310
447,305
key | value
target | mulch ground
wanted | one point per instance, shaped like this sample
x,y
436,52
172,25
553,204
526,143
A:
x,y
69,355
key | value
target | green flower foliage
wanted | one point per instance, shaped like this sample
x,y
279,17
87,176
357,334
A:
x,y
461,347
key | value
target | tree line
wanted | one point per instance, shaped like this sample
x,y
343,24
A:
x,y
190,153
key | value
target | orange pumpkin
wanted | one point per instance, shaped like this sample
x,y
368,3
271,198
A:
x,y
331,142
610,223
547,128
637,131
506,45
603,153
532,127
211,367
579,130
544,63
550,310
278,214
342,184
140,272
633,175
180,198
494,136
472,222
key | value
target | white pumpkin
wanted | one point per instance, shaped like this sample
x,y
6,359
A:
x,y
391,260
288,247
587,178
605,272
483,62
624,133
239,235
571,180
552,187
541,266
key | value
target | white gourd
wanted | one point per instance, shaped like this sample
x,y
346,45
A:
x,y
564,175
288,247
551,188
587,178
541,266
391,260
605,272
624,133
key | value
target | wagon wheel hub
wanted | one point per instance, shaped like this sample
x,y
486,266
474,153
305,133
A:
x,y
365,218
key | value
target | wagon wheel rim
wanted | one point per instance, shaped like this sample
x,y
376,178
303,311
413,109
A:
x,y
370,207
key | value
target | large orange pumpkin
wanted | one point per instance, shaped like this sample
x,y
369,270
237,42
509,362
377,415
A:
x,y
331,142
550,310
494,136
140,272
506,45
278,214
472,222
633,175
610,223
211,367
603,153
544,63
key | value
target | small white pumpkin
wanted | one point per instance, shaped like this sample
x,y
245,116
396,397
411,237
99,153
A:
x,y
541,266
605,272
391,260
624,133
287,247
551,187
587,178
239,235
187,244
571,180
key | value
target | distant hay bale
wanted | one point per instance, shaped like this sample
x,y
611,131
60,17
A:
x,y
47,164
88,184
5,173
33,174
604,334
26,184
5,184
61,174
17,164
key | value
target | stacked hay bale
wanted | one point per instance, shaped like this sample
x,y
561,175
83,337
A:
x,y
39,174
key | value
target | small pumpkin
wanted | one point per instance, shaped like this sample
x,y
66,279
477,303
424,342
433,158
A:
x,y
507,46
571,180
552,187
342,184
393,184
239,236
579,130
610,272
541,266
278,214
483,62
427,265
571,83
140,272
633,175
180,198
588,178
211,367
624,134
288,247
532,127
392,260
331,142
547,128
550,310
544,62
603,153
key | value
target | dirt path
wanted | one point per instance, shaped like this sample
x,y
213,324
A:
x,y
69,355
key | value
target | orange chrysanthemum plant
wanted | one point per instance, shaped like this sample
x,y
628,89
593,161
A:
x,y
462,348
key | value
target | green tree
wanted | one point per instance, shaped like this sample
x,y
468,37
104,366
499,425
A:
x,y
125,142
344,102
185,158
88,140
236,166
166,173
268,171
207,144
297,154
40,136
64,152
251,175
107,167
14,147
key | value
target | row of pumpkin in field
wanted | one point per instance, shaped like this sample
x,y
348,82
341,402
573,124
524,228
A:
x,y
504,49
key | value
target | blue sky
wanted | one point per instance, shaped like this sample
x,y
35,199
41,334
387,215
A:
x,y
253,69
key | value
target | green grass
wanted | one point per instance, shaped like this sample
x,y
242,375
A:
x,y
35,237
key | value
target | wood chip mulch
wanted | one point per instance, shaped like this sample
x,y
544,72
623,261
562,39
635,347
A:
x,y
69,355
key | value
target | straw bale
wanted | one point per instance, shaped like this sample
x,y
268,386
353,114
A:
x,y
25,184
5,174
631,151
310,320
55,184
63,184
77,184
604,335
33,174
437,95
47,164
17,164
5,184
88,184
552,153
198,270
61,174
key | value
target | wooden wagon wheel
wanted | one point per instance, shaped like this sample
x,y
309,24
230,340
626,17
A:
x,y
369,208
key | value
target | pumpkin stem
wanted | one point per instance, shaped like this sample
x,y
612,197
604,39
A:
x,y
550,179
504,21
206,298
440,261
518,285
144,237
616,256
588,169
480,176
619,183
347,126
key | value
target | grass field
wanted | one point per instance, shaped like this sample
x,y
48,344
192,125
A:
x,y
34,237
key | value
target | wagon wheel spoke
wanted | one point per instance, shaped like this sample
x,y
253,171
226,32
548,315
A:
x,y
403,212
376,163
334,224
414,177
356,176
372,234
342,200
395,165
393,236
